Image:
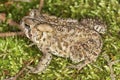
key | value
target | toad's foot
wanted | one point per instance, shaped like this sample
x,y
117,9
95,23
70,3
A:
x,y
44,62
80,65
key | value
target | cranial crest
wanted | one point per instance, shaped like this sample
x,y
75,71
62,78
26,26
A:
x,y
44,28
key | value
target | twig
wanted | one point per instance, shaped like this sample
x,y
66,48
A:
x,y
41,5
2,17
116,61
110,64
8,34
112,75
11,23
23,0
23,69
20,72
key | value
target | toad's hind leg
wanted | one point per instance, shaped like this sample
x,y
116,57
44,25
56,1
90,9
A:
x,y
87,53
43,63
84,62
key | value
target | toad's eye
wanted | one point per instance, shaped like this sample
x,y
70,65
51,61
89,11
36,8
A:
x,y
27,26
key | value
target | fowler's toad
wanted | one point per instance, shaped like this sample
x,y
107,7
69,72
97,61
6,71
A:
x,y
68,38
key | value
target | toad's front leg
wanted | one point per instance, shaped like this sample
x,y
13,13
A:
x,y
43,63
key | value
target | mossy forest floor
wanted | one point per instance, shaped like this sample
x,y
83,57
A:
x,y
14,51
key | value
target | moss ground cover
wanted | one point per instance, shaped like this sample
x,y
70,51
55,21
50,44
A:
x,y
14,51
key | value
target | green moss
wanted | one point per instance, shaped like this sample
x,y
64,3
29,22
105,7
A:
x,y
14,51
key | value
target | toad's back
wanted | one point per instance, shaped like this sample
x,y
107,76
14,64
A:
x,y
75,42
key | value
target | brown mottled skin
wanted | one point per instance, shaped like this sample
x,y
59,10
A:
x,y
68,38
